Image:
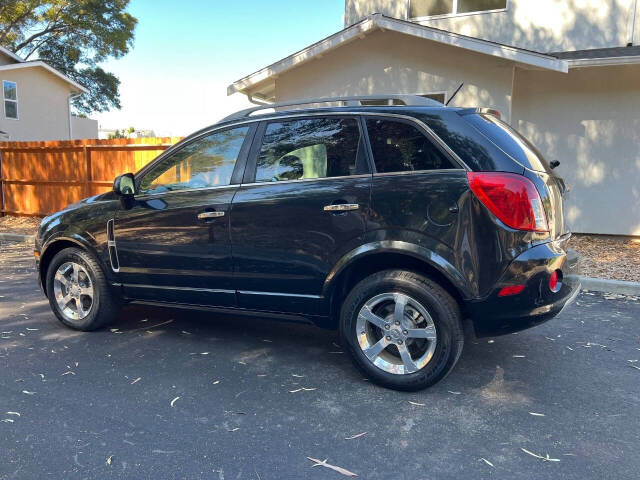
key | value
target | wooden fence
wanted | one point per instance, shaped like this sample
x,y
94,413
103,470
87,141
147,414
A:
x,y
38,178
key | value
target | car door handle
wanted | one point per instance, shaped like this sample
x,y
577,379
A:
x,y
205,215
341,207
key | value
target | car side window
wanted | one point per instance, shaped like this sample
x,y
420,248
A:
x,y
401,147
310,148
206,162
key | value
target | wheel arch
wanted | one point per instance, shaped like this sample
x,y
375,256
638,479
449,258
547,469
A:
x,y
57,245
385,255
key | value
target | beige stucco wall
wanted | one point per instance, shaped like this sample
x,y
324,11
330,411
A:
x,y
388,62
540,25
43,107
588,119
83,128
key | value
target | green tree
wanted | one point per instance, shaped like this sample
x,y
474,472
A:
x,y
124,133
74,37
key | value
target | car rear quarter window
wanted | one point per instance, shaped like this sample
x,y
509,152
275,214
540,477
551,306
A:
x,y
510,141
400,147
304,149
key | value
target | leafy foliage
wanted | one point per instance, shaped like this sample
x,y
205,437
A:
x,y
74,37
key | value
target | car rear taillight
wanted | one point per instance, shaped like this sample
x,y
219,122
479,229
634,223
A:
x,y
510,197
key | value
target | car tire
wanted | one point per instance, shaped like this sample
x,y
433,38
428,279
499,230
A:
x,y
402,300
78,291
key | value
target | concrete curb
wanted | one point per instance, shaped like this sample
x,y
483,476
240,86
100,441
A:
x,y
588,283
16,237
610,286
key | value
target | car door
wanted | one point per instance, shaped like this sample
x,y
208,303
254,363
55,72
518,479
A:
x,y
302,206
172,239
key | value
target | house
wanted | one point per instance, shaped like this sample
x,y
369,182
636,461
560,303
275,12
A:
x,y
105,133
36,102
566,73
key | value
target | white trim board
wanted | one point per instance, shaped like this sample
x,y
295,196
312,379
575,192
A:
x,y
41,64
378,21
603,62
10,54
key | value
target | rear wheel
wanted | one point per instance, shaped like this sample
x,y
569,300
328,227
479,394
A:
x,y
78,291
403,330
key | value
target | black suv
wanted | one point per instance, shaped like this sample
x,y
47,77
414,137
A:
x,y
392,224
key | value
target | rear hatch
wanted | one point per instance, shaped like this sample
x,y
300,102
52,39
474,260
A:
x,y
551,187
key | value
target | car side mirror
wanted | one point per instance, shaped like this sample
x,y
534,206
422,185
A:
x,y
125,185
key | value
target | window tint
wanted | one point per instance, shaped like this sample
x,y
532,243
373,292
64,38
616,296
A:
x,y
10,97
399,147
509,141
207,162
310,148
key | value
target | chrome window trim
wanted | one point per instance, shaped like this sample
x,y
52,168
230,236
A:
x,y
408,172
144,196
280,182
233,124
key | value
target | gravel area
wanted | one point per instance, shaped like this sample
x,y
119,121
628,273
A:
x,y
602,256
605,256
20,225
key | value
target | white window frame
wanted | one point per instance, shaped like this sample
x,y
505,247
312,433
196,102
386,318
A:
x,y
4,100
454,13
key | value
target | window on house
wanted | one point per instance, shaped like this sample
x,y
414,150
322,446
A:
x,y
400,147
431,8
10,95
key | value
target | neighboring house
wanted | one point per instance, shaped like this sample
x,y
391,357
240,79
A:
x,y
36,102
566,73
105,133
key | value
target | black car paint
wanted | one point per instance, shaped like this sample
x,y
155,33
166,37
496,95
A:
x,y
276,250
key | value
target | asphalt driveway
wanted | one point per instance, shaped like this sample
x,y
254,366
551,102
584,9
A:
x,y
173,394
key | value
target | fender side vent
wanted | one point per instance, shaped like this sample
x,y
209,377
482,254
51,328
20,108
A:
x,y
111,245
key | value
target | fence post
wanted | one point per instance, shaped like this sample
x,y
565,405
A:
x,y
87,163
1,186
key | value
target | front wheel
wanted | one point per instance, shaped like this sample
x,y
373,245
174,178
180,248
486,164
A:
x,y
403,330
78,291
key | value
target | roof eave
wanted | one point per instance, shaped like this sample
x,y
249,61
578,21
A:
x,y
379,21
603,62
38,63
12,55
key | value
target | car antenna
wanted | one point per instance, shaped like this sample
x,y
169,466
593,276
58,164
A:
x,y
454,94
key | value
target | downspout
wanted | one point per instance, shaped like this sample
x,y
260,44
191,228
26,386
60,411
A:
x,y
71,97
631,26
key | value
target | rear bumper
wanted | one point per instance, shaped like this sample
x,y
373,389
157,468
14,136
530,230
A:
x,y
536,304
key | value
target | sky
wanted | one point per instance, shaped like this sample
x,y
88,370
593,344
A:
x,y
174,80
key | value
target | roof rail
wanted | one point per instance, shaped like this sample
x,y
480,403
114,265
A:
x,y
408,100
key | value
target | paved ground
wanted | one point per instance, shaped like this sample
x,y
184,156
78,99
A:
x,y
237,412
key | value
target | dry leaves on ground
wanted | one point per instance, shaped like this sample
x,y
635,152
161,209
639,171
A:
x,y
611,257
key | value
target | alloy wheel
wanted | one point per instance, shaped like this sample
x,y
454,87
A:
x,y
73,291
396,333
